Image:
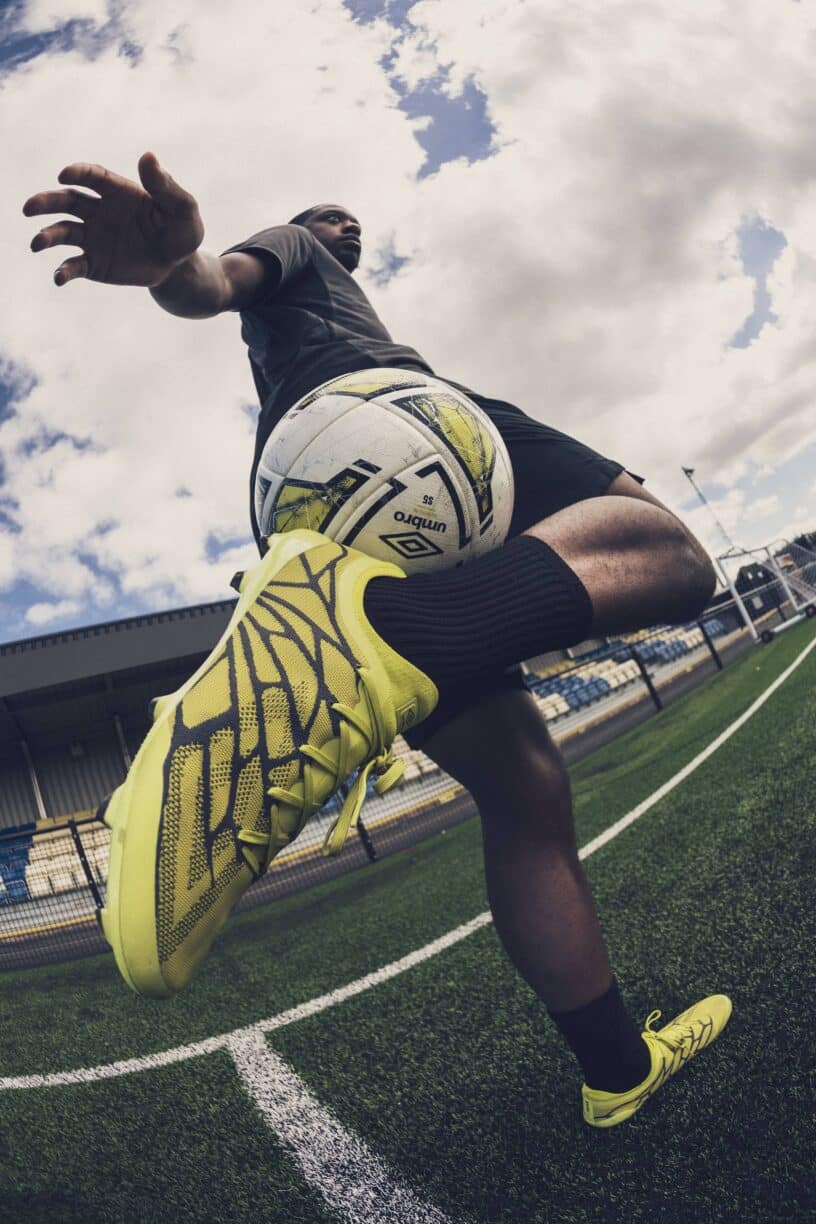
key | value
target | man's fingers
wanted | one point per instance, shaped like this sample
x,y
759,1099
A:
x,y
83,174
69,201
159,183
64,233
150,172
71,269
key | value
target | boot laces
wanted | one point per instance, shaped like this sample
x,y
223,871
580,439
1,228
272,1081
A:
x,y
318,763
674,1041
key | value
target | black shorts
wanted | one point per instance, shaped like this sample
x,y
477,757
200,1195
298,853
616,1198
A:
x,y
550,471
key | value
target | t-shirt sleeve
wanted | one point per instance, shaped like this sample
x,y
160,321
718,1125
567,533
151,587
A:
x,y
285,249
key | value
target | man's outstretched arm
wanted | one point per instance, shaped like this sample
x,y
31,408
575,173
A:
x,y
145,235
205,285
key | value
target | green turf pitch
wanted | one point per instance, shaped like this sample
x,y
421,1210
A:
x,y
450,1072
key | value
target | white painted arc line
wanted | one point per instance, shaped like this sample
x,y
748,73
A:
x,y
126,1066
314,1006
701,757
334,1161
164,1058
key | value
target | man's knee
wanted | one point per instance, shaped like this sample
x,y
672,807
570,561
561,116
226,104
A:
x,y
530,785
531,803
502,751
706,579
699,578
684,553
674,556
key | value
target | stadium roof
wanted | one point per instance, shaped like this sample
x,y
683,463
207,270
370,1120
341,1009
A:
x,y
77,654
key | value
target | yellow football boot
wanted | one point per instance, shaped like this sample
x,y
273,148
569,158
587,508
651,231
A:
x,y
299,693
671,1047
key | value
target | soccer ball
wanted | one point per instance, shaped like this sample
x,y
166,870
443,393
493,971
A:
x,y
393,462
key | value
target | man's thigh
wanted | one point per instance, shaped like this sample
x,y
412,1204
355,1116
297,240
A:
x,y
624,485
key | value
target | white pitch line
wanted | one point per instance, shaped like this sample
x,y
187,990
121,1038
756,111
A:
x,y
701,757
180,1053
334,1161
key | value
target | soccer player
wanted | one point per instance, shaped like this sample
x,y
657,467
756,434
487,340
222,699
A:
x,y
329,653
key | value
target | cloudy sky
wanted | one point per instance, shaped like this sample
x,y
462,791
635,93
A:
x,y
603,210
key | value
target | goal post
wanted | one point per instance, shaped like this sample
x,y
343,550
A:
x,y
773,586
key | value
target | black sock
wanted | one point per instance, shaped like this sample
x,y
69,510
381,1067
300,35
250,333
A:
x,y
463,625
607,1042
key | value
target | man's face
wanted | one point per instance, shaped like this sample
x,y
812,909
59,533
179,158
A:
x,y
339,232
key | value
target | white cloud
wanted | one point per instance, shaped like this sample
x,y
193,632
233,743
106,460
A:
x,y
39,16
8,575
44,613
636,139
762,508
744,521
588,270
255,136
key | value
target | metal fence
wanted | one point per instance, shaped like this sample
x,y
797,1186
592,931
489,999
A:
x,y
52,880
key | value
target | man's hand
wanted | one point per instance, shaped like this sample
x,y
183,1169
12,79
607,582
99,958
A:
x,y
129,235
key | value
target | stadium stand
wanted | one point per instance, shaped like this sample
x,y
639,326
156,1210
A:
x,y
75,706
609,666
66,745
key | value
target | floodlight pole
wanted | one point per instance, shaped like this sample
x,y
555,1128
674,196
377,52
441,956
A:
x,y
732,548
689,472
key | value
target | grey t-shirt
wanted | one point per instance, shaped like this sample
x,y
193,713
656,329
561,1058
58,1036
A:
x,y
313,324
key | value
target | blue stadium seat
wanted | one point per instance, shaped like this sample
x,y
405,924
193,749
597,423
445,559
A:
x,y
13,862
16,890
